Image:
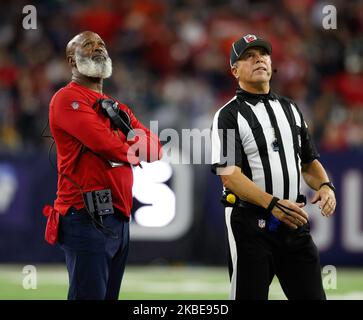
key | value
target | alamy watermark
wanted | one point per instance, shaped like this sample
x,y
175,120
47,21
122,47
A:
x,y
30,19
329,277
30,277
190,146
329,17
329,20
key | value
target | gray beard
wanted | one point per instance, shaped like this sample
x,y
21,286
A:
x,y
91,68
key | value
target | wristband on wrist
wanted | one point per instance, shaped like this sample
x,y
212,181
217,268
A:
x,y
272,204
329,184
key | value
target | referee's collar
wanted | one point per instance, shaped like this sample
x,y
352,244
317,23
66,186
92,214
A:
x,y
254,98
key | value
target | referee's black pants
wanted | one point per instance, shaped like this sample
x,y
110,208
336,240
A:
x,y
257,254
95,260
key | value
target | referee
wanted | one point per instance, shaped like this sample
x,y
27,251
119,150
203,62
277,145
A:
x,y
261,148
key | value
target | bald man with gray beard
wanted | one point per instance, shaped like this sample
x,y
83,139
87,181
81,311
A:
x,y
90,217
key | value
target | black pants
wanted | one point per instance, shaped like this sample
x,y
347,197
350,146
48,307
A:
x,y
257,254
95,260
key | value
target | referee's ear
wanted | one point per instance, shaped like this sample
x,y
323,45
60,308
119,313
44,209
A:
x,y
234,70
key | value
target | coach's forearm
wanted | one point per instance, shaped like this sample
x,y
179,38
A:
x,y
243,187
314,174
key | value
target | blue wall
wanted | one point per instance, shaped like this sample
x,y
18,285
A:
x,y
29,182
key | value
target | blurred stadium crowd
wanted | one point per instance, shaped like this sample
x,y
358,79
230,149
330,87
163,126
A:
x,y
170,61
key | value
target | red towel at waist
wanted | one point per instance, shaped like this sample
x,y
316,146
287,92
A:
x,y
51,230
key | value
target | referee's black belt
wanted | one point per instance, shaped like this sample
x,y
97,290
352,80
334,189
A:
x,y
248,205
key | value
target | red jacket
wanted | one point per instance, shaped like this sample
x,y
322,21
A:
x,y
85,142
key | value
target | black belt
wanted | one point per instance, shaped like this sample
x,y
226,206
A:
x,y
247,205
118,213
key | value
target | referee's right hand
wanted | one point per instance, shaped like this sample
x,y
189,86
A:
x,y
292,214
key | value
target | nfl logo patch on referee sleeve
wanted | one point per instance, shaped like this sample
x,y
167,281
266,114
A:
x,y
261,223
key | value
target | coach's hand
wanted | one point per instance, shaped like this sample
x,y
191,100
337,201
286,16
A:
x,y
327,201
291,214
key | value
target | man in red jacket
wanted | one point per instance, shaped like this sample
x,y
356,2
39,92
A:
x,y
95,159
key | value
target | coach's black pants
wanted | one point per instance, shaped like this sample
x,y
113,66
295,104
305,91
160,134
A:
x,y
95,260
257,254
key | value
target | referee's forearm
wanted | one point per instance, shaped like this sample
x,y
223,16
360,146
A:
x,y
314,174
244,188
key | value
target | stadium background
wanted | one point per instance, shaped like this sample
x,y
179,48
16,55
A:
x,y
170,63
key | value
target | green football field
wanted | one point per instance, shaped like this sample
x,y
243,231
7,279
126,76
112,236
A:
x,y
151,282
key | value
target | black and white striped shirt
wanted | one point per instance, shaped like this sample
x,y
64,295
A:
x,y
270,141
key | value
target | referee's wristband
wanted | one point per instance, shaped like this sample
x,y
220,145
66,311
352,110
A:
x,y
329,184
272,204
